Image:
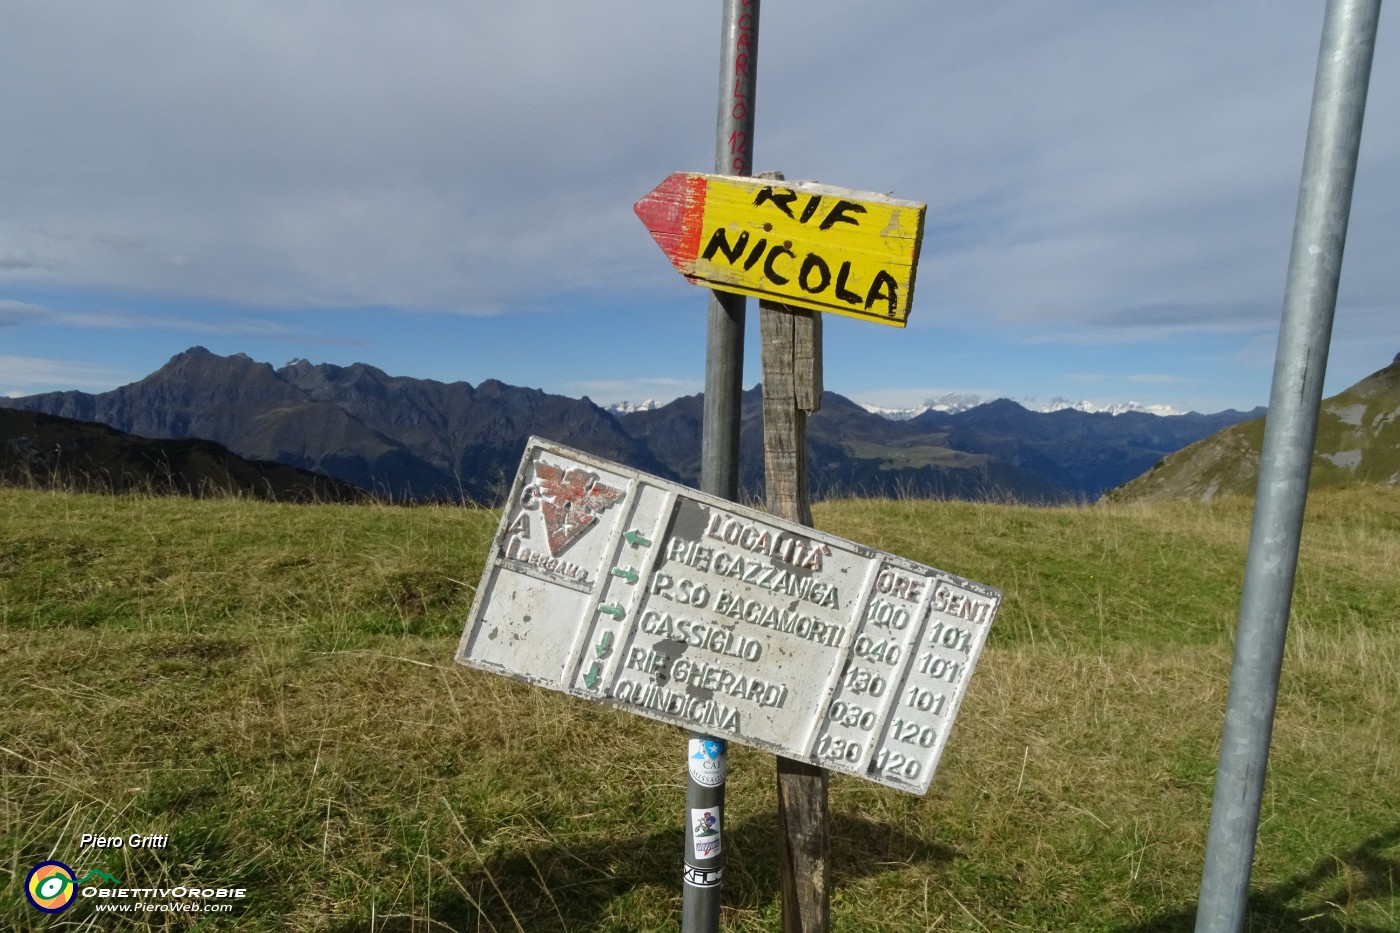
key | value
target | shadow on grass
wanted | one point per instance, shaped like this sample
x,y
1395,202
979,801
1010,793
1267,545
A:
x,y
570,887
1321,900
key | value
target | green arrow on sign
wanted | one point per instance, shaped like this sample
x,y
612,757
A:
x,y
590,680
617,612
634,537
626,573
604,646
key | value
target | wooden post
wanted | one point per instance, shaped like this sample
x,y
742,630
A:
x,y
792,387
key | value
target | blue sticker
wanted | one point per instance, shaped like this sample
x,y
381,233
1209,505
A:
x,y
708,763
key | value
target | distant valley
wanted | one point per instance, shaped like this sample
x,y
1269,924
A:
x,y
416,439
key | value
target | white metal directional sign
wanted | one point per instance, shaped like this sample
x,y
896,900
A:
x,y
641,594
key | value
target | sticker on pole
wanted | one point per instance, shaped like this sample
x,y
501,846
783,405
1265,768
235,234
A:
x,y
705,832
641,594
707,763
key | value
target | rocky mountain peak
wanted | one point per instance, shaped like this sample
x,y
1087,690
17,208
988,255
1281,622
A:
x,y
421,439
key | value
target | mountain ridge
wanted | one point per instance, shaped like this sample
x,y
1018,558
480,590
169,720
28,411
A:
x,y
418,439
958,402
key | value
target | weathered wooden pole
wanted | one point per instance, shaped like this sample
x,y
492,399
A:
x,y
792,388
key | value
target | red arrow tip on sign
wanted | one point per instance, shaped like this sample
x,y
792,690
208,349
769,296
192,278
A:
x,y
672,213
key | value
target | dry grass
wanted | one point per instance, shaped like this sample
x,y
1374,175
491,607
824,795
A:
x,y
273,687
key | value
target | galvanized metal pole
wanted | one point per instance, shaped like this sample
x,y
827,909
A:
x,y
719,456
724,349
1309,304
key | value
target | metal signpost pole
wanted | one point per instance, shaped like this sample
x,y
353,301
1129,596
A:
x,y
1310,300
719,457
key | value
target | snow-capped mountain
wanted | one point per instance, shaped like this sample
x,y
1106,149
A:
x,y
954,402
1055,404
626,408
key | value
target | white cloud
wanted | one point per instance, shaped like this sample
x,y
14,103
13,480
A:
x,y
26,375
20,312
416,154
455,157
1096,174
15,312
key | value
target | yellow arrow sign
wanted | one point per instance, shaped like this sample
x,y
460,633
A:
x,y
799,243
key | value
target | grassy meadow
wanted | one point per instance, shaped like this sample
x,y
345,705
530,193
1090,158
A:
x,y
272,687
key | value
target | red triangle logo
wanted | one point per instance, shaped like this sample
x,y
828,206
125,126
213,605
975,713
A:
x,y
571,504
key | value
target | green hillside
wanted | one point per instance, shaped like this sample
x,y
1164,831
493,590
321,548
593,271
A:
x,y
1358,442
271,687
39,451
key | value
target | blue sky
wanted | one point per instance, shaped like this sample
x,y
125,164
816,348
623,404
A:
x,y
445,190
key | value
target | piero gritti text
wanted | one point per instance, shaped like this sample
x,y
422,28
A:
x,y
133,841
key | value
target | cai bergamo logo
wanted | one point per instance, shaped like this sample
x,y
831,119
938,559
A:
x,y
50,887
